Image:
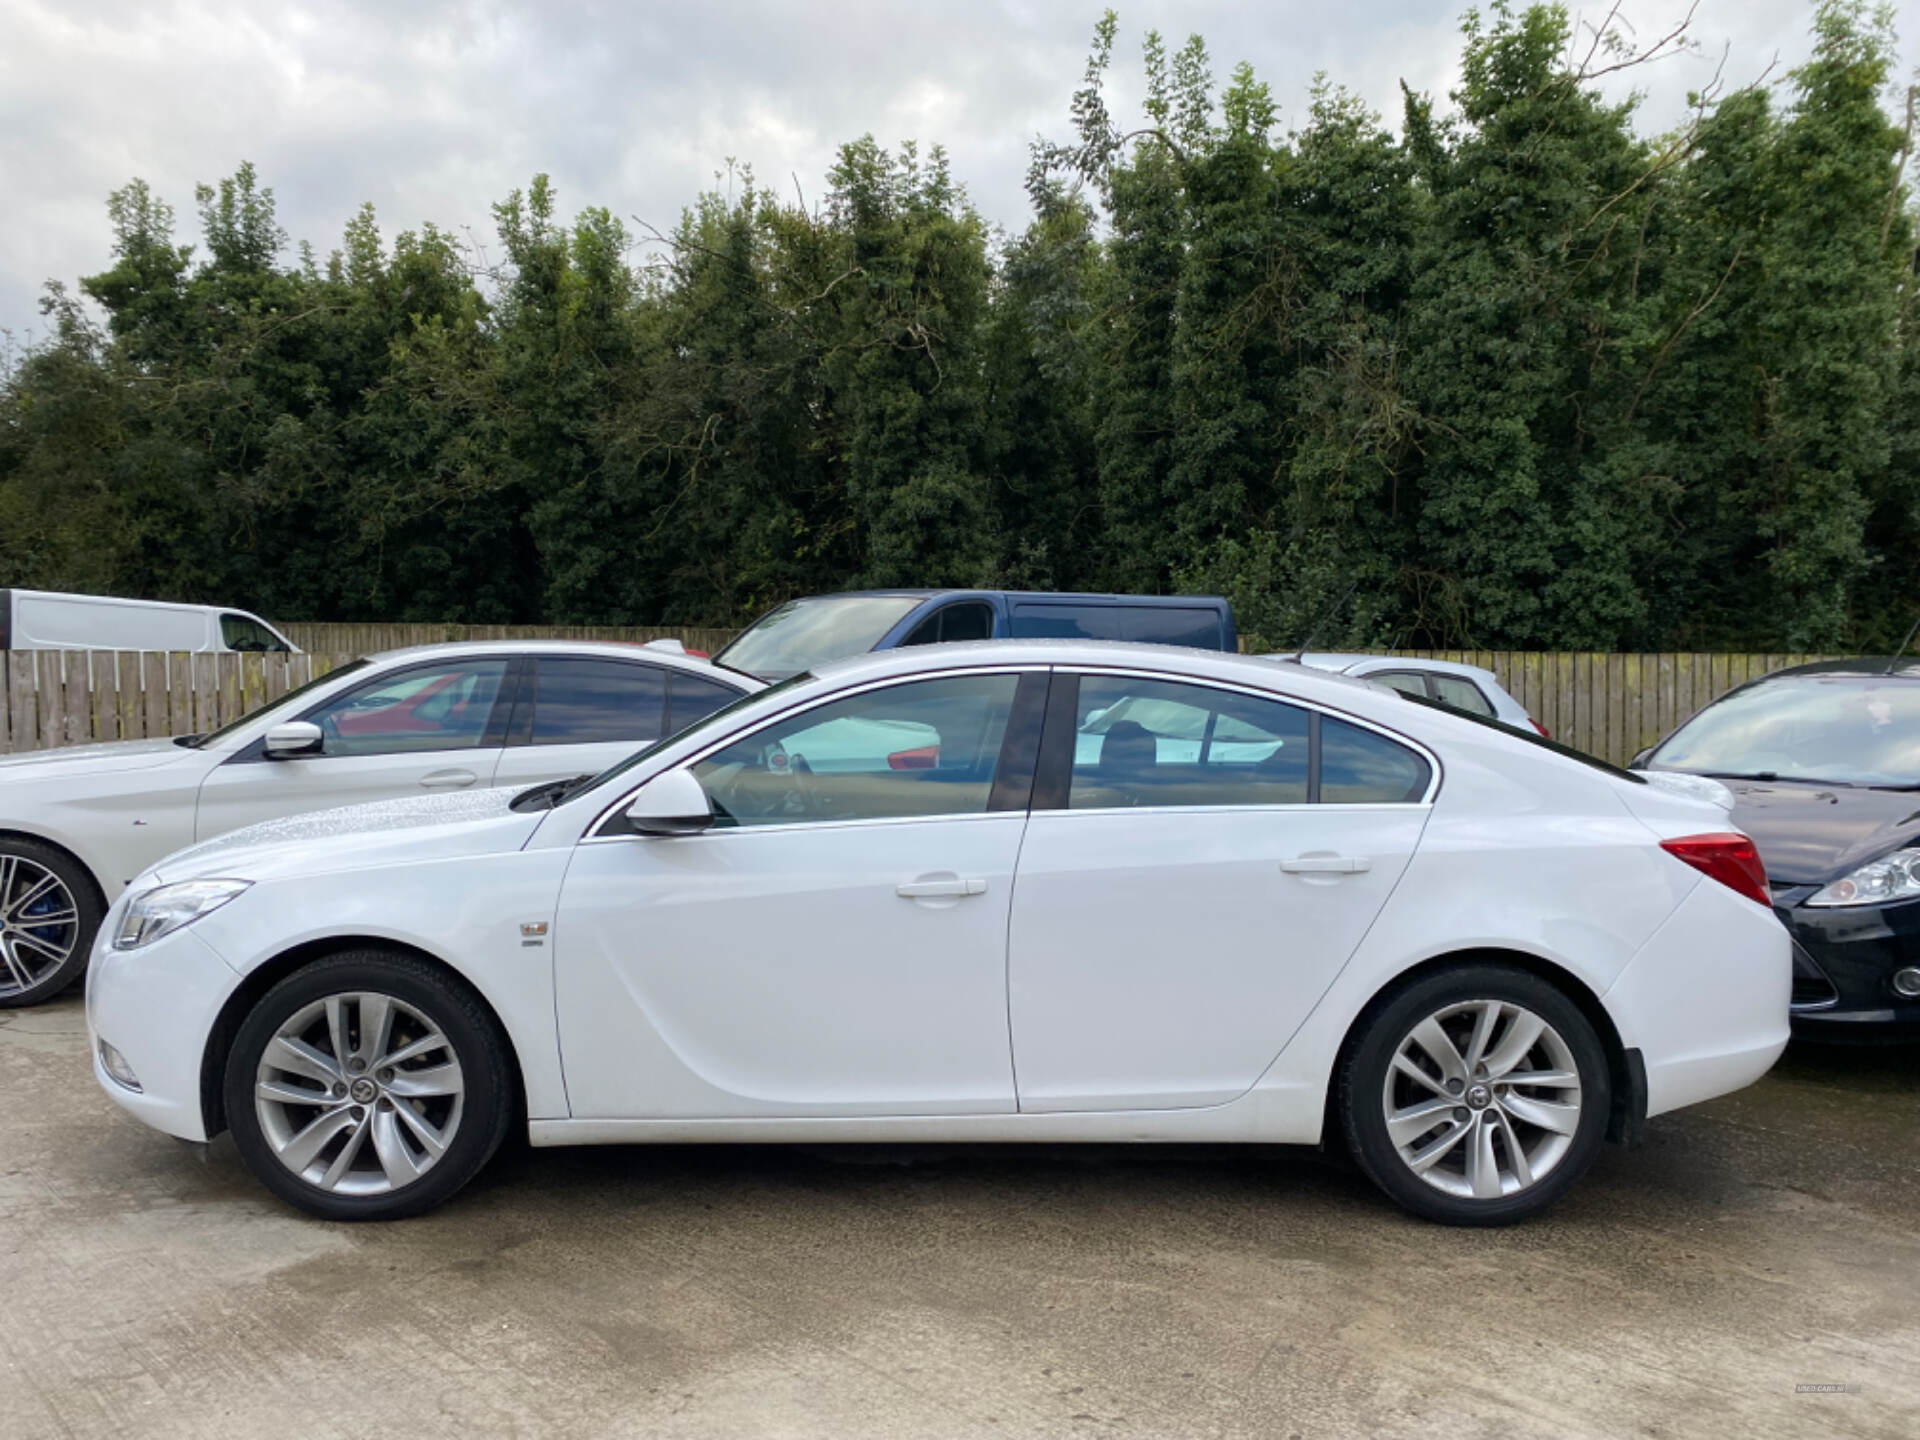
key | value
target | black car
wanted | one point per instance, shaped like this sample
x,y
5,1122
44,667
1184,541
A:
x,y
1824,764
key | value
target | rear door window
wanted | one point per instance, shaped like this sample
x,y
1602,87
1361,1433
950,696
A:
x,y
1150,742
581,701
1461,694
692,697
1409,682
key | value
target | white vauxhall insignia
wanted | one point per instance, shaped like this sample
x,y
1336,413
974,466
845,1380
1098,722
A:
x,y
1017,891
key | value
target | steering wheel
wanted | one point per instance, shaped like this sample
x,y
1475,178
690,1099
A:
x,y
812,803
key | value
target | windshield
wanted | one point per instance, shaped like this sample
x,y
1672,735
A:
x,y
805,633
1843,729
288,702
707,721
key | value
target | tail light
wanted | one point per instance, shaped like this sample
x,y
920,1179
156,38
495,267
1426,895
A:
x,y
1728,858
1545,734
925,758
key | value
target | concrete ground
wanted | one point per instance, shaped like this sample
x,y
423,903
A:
x,y
1766,1241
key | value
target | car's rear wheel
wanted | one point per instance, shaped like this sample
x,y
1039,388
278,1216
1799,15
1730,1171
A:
x,y
1476,1096
49,913
369,1085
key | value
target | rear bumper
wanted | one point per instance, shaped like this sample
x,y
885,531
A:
x,y
1705,1001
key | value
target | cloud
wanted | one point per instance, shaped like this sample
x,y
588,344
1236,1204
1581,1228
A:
x,y
435,110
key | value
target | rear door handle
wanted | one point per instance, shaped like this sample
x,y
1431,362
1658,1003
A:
x,y
921,889
448,780
1326,865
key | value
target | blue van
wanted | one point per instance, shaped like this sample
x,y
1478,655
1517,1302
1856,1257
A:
x,y
803,633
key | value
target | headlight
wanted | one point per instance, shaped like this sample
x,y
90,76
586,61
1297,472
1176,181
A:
x,y
165,908
1893,877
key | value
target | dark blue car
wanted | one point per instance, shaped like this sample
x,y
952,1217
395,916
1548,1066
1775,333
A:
x,y
803,633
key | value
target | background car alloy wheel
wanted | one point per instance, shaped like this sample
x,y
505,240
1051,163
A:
x,y
359,1094
49,913
1476,1095
1482,1099
369,1085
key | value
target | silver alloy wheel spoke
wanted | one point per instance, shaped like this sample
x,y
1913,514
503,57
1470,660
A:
x,y
22,977
1482,1099
359,1093
34,947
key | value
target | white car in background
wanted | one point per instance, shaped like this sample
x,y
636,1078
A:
x,y
77,823
1471,955
1468,688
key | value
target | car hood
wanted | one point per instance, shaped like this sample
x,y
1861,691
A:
x,y
90,759
1810,834
359,837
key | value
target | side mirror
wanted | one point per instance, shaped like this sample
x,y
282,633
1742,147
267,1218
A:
x,y
1639,762
671,804
291,739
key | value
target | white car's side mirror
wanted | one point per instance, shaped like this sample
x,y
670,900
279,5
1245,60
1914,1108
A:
x,y
671,804
291,739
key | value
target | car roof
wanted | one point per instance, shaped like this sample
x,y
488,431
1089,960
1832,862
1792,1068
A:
x,y
610,649
1102,597
1348,661
1176,661
1860,666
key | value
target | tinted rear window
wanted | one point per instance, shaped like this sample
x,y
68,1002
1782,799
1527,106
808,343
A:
x,y
1142,624
582,702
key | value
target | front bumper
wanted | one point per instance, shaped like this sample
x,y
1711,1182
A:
x,y
1844,960
156,1006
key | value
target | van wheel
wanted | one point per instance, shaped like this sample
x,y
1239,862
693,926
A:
x,y
369,1085
1476,1096
50,910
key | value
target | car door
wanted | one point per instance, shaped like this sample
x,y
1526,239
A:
x,y
1199,864
423,729
836,943
579,714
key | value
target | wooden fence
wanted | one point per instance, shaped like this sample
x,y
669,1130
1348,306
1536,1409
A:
x,y
370,639
1606,705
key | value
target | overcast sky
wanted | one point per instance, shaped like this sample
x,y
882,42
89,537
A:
x,y
434,110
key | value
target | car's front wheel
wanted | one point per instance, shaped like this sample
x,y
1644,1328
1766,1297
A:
x,y
369,1085
1476,1096
49,914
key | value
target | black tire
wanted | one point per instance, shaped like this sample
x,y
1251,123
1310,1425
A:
x,y
89,909
1360,1096
470,1032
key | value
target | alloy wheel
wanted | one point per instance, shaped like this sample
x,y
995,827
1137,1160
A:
x,y
1482,1099
39,924
359,1093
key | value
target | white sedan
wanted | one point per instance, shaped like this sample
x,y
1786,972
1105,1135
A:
x,y
76,824
1473,954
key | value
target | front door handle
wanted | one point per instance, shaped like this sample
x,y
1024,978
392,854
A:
x,y
1326,865
942,885
448,780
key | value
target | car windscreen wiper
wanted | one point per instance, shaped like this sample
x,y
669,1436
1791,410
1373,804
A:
x,y
547,795
1769,775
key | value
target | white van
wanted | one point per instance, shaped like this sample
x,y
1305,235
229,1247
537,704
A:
x,y
43,620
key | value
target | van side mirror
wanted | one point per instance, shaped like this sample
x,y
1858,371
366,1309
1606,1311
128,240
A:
x,y
1639,762
671,804
291,739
